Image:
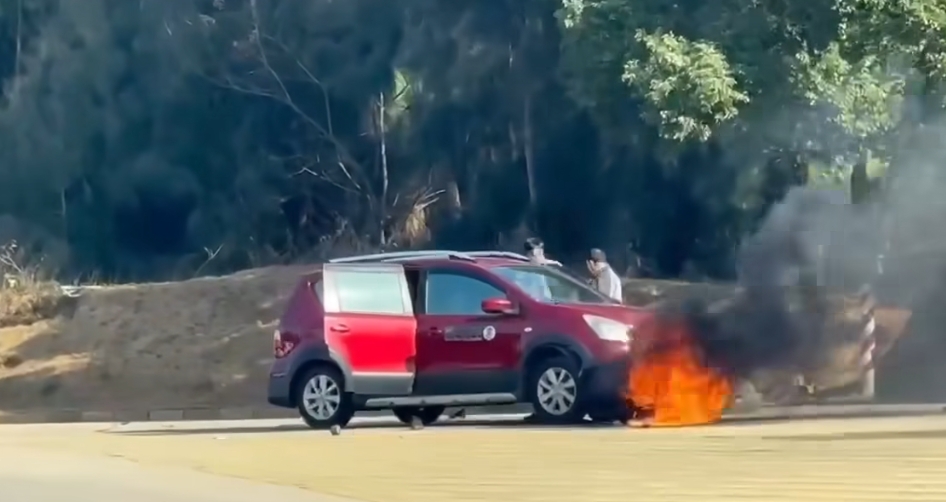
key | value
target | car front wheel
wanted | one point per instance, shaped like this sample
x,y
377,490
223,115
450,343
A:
x,y
555,391
322,400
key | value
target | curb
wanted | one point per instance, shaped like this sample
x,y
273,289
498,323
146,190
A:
x,y
194,414
269,412
812,411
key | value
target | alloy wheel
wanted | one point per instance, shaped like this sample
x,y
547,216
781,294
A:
x,y
557,391
321,397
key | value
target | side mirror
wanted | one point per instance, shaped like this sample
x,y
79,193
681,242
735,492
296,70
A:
x,y
497,306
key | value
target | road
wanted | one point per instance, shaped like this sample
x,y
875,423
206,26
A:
x,y
895,459
29,475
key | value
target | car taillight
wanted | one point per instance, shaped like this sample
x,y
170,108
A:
x,y
284,343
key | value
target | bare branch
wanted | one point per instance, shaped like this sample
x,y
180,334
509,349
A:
x,y
211,254
286,98
311,76
323,177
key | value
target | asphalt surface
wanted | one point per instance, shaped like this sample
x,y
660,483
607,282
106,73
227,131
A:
x,y
899,457
41,476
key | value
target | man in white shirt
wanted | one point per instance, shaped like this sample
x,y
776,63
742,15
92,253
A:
x,y
604,278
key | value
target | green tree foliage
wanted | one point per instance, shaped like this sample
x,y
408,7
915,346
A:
x,y
146,137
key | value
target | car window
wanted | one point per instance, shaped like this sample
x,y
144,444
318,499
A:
x,y
361,292
319,288
545,283
455,294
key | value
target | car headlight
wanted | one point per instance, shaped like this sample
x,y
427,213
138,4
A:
x,y
608,329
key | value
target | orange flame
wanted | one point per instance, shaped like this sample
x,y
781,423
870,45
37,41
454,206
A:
x,y
668,385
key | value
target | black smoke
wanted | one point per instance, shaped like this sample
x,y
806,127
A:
x,y
777,318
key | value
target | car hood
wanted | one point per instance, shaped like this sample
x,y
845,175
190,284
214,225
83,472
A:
x,y
632,316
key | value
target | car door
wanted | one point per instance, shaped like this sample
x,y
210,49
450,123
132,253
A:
x,y
370,323
462,350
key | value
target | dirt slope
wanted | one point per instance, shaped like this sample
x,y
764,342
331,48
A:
x,y
198,342
915,369
203,342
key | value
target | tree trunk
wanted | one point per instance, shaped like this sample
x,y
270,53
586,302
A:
x,y
528,147
383,202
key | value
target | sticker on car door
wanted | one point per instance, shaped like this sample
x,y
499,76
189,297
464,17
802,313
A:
x,y
464,334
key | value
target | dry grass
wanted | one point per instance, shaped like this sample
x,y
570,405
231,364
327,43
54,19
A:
x,y
202,342
24,299
25,295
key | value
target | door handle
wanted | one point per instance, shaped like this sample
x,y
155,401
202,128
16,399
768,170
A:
x,y
436,331
339,328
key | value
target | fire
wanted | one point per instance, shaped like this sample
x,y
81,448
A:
x,y
669,385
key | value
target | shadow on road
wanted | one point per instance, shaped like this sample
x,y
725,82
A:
x,y
516,423
473,422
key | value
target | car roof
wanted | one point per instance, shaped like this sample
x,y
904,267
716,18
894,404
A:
x,y
423,259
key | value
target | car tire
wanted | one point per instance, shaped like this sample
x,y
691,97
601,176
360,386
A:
x,y
427,414
555,391
321,398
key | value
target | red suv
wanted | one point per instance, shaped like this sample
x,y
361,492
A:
x,y
418,331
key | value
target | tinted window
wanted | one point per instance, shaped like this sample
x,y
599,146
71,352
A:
x,y
370,292
547,284
453,294
319,289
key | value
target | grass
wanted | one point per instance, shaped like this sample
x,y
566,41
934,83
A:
x,y
26,300
25,295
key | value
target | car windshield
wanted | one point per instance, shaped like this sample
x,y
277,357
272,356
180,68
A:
x,y
548,284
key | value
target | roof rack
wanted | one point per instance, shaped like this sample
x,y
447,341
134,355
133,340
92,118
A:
x,y
404,256
439,253
498,254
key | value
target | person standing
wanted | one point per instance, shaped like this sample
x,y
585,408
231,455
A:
x,y
536,284
604,278
535,250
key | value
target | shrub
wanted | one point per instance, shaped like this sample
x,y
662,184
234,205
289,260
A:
x,y
26,296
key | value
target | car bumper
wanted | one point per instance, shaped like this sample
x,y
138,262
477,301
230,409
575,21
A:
x,y
280,391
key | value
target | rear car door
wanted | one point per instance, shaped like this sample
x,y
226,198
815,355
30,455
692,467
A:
x,y
369,322
462,350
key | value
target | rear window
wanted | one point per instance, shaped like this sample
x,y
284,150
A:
x,y
361,292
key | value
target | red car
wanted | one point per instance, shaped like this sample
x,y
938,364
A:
x,y
416,332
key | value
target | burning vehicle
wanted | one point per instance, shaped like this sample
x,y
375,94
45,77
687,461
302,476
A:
x,y
419,331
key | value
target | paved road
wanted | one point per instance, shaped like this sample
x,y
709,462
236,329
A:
x,y
28,475
895,459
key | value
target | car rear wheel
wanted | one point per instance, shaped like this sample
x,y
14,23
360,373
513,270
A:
x,y
554,391
322,400
427,414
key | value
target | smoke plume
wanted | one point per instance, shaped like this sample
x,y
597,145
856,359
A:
x,y
776,320
813,248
